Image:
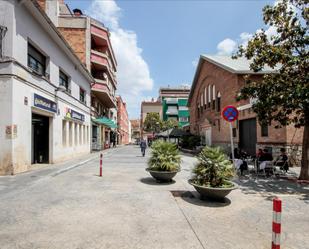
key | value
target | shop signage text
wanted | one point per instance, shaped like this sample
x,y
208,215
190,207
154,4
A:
x,y
69,113
44,103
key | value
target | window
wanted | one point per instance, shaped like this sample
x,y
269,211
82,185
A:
x,y
209,95
70,134
64,80
264,130
36,60
64,133
82,95
213,97
75,134
205,98
218,102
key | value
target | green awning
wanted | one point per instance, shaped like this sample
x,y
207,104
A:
x,y
106,121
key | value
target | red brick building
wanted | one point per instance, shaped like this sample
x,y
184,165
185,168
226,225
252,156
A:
x,y
123,121
216,83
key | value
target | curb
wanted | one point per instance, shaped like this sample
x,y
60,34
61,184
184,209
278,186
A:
x,y
74,166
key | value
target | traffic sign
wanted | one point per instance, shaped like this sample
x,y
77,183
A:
x,y
230,113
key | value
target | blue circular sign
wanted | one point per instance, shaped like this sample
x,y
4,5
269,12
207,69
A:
x,y
230,113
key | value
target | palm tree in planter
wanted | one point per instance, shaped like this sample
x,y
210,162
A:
x,y
164,162
212,173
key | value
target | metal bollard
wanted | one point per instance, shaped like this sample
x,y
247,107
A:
x,y
101,162
277,207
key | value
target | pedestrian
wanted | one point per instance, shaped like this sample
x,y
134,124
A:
x,y
282,160
143,146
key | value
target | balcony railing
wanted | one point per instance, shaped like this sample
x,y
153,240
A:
x,y
171,101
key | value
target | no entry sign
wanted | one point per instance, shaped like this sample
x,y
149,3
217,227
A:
x,y
230,113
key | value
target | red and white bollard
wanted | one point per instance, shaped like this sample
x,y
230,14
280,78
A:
x,y
101,162
277,207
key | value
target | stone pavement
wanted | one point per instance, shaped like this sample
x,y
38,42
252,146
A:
x,y
126,208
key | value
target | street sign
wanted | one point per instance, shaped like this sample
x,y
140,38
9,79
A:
x,y
230,113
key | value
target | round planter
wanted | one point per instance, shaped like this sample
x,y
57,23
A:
x,y
212,193
162,176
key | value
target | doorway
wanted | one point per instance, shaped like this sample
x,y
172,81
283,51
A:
x,y
247,136
40,139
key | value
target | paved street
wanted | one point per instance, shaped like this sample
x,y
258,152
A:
x,y
57,208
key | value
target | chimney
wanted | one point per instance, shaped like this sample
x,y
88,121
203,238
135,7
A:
x,y
77,12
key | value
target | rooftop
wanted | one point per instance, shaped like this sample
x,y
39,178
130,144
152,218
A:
x,y
239,65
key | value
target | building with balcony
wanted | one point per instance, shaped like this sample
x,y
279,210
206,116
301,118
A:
x,y
45,92
217,81
123,122
174,104
153,106
90,40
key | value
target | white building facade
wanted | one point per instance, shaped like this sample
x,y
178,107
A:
x,y
44,92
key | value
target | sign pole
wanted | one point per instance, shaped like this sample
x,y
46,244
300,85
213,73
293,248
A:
x,y
232,143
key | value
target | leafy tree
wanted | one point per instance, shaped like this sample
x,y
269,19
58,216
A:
x,y
169,124
152,122
283,96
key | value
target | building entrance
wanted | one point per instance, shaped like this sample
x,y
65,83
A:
x,y
40,139
247,136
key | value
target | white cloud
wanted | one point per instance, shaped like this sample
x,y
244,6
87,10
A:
x,y
226,47
133,72
195,62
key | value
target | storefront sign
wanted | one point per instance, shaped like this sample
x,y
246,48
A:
x,y
44,103
69,113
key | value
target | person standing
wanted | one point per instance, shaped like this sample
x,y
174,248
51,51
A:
x,y
143,146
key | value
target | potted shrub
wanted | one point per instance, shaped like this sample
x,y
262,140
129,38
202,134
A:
x,y
164,162
212,173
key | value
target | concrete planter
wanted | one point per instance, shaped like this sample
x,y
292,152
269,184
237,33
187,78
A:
x,y
162,176
212,193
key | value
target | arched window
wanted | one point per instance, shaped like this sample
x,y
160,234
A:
x,y
205,98
213,97
218,102
209,95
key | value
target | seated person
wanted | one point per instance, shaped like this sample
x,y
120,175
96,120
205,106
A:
x,y
238,162
282,160
265,158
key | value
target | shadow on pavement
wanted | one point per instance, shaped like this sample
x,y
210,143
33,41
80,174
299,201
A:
x,y
194,198
152,181
270,187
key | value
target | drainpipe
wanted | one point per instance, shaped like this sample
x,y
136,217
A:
x,y
3,31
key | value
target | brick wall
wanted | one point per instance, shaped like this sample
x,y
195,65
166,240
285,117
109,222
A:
x,y
123,122
76,37
228,84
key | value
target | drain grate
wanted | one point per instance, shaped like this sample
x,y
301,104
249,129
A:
x,y
184,194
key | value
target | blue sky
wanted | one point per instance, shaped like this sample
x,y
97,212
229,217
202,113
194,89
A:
x,y
157,43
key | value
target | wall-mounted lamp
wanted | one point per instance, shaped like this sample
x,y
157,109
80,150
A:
x,y
60,88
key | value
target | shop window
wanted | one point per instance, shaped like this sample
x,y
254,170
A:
x,y
264,130
70,134
36,60
84,133
219,125
80,134
82,95
75,134
64,133
87,131
64,81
